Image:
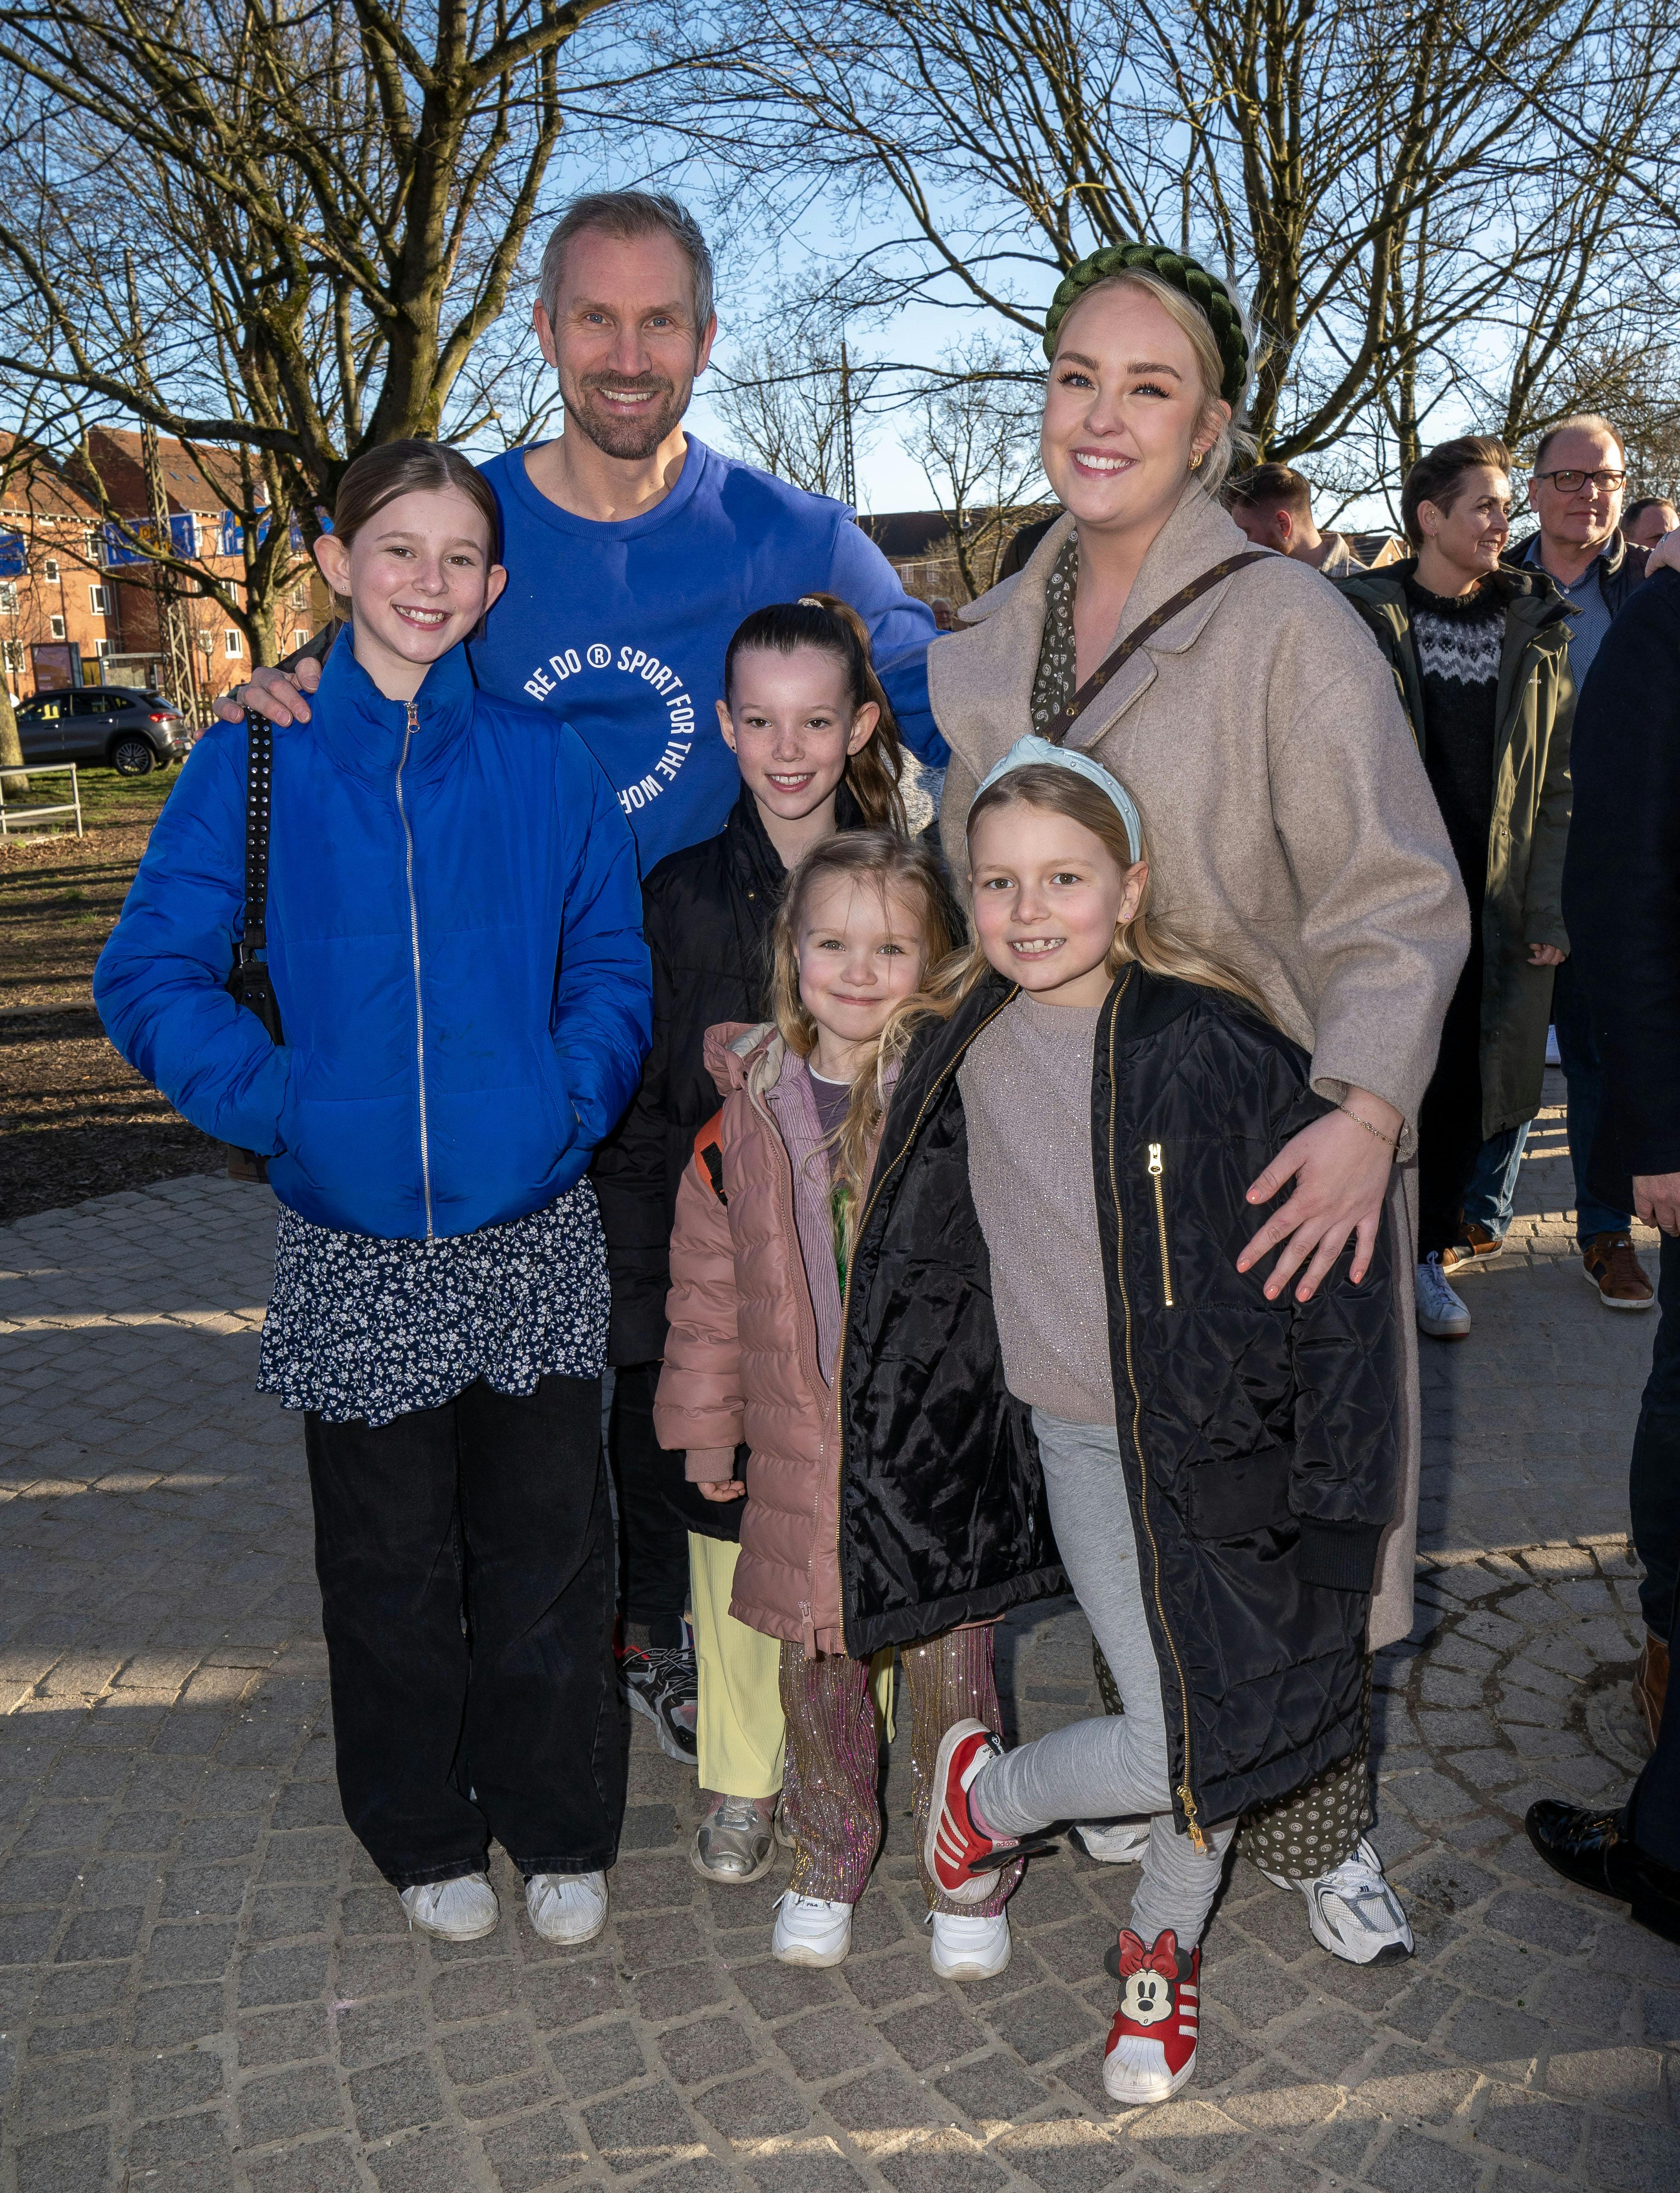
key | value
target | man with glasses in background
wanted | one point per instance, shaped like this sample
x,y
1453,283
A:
x,y
1580,471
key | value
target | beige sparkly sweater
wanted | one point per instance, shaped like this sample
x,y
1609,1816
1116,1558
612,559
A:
x,y
1026,1096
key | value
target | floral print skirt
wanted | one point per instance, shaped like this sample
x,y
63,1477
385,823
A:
x,y
359,1327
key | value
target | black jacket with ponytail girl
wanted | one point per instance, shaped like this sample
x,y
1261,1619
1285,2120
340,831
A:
x,y
707,913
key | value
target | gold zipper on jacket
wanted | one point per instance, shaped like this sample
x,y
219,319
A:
x,y
1157,1168
413,725
1183,1791
870,1200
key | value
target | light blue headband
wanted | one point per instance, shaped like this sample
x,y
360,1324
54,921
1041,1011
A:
x,y
1033,752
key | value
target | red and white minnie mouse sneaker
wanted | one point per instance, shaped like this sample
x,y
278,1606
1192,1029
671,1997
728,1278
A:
x,y
1151,2046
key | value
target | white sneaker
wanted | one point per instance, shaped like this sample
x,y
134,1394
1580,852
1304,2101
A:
x,y
1122,1842
464,1909
567,1908
1353,1912
1440,1314
810,1930
969,1947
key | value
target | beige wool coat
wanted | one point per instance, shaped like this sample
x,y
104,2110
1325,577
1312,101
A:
x,y
1290,824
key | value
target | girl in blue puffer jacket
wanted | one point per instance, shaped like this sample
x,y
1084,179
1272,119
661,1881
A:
x,y
454,940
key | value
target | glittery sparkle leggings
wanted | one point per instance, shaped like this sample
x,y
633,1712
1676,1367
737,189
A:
x,y
830,1789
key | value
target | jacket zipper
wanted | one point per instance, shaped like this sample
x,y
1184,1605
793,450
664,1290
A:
x,y
874,1196
413,725
1183,1792
1157,1168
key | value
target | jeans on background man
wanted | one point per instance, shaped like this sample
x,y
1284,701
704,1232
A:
x,y
1490,1200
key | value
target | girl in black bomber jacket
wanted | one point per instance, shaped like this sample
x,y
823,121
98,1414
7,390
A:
x,y
1050,1347
812,730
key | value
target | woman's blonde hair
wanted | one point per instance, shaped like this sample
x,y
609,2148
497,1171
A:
x,y
1232,440
898,867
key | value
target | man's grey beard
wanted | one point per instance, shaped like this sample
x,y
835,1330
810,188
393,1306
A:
x,y
632,439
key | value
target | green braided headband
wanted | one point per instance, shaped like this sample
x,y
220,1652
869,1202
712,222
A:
x,y
1206,294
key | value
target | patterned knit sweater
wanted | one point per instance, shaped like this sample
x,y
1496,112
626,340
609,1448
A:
x,y
1458,641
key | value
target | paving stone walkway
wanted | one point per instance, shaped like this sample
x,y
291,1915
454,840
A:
x,y
205,1989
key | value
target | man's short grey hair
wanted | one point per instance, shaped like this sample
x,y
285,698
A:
x,y
1580,422
628,214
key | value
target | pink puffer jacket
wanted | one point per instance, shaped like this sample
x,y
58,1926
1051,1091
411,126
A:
x,y
743,1359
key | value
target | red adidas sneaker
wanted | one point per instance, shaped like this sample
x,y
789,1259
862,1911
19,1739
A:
x,y
953,1843
1151,2046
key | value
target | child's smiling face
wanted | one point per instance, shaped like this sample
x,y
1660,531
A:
x,y
1048,897
861,952
791,725
419,577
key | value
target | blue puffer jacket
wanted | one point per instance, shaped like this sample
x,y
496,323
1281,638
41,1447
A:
x,y
455,940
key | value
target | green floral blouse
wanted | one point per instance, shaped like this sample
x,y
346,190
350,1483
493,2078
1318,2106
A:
x,y
1055,682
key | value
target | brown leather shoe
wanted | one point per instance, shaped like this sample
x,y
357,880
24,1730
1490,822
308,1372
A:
x,y
1475,1244
1610,1265
1650,1683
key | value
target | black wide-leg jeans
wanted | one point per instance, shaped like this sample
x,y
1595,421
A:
x,y
492,1508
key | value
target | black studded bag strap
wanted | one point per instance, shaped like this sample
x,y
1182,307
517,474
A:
x,y
249,981
1063,721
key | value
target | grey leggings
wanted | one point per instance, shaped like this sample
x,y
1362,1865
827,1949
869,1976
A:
x,y
1111,1767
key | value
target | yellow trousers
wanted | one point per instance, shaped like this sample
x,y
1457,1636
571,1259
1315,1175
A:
x,y
741,1732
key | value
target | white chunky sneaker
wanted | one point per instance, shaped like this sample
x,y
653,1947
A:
x,y
567,1908
1440,1314
464,1909
1353,1912
969,1947
810,1930
1122,1842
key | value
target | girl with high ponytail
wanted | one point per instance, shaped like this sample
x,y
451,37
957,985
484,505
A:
x,y
804,714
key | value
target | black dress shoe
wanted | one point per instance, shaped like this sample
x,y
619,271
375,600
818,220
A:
x,y
1590,1849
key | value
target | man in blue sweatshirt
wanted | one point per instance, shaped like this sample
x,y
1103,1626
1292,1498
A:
x,y
633,551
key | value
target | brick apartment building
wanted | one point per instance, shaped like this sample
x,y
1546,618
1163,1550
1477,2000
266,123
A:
x,y
78,604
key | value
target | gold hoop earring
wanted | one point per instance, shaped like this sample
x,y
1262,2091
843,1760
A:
x,y
1196,461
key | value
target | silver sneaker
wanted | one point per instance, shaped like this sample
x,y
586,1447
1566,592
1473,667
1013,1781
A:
x,y
1440,1314
734,1843
1353,1911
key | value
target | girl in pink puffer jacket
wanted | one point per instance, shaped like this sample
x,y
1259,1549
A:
x,y
765,1219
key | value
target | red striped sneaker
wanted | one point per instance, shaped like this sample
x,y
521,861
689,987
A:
x,y
1151,2046
954,1851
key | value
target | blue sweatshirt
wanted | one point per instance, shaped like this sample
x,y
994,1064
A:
x,y
621,628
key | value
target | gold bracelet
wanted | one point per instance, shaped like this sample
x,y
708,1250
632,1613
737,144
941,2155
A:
x,y
1392,1141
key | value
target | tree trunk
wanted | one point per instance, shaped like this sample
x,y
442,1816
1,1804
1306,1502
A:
x,y
11,746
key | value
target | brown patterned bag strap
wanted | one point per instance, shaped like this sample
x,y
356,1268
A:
x,y
1062,723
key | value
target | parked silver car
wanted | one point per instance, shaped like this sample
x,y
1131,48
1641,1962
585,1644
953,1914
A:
x,y
129,730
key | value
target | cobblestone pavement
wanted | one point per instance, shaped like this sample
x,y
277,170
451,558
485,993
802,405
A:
x,y
204,1989
1528,1423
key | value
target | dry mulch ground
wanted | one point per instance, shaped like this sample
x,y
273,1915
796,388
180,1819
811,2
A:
x,y
75,1119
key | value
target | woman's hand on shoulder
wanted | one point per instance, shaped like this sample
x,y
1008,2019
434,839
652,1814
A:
x,y
1340,1165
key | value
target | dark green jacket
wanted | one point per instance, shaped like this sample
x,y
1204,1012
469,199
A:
x,y
1530,828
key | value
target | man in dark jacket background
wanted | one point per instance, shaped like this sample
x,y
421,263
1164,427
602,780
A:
x,y
1621,902
1578,479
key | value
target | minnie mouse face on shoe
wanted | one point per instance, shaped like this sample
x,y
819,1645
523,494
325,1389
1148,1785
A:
x,y
1146,1998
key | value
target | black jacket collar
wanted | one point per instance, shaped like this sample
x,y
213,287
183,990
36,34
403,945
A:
x,y
754,862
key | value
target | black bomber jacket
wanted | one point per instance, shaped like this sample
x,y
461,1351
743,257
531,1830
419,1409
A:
x,y
1259,1440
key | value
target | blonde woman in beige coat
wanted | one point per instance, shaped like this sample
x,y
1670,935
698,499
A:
x,y
1261,735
